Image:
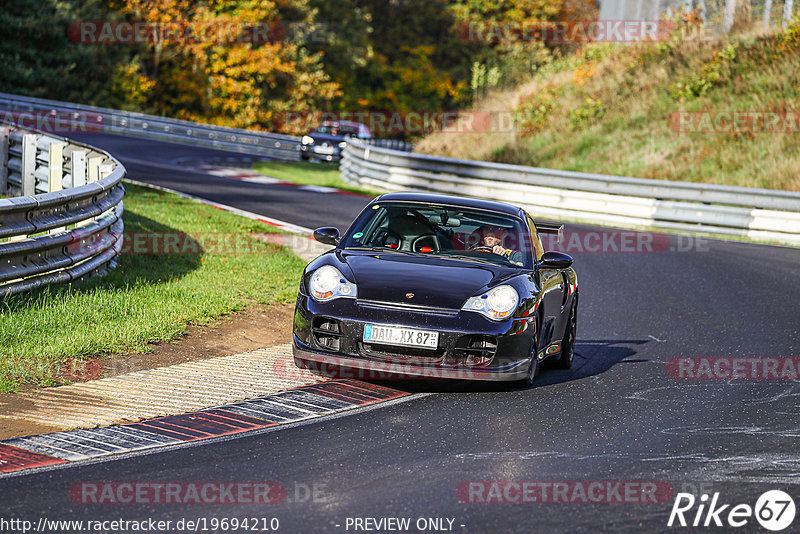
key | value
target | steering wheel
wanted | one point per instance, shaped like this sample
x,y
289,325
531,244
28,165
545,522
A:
x,y
482,248
436,246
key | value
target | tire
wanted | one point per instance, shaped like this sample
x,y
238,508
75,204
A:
x,y
533,372
564,361
535,365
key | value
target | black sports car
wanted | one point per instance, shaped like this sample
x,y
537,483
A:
x,y
437,286
327,141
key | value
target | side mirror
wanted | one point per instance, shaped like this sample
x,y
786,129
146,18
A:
x,y
328,235
556,260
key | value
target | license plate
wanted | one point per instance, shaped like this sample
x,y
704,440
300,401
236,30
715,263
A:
x,y
323,149
393,335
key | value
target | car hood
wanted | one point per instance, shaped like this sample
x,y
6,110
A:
x,y
435,282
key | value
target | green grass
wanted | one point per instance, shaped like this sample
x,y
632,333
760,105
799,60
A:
x,y
611,110
148,298
307,173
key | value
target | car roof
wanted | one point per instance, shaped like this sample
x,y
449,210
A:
x,y
360,127
432,198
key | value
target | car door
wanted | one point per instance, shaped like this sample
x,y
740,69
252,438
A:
x,y
552,285
551,282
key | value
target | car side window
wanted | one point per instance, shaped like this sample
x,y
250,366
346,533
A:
x,y
377,232
538,249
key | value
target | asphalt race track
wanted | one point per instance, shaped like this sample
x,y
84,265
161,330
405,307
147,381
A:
x,y
165,164
617,416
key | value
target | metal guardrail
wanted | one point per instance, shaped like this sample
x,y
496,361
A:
x,y
40,114
759,214
394,144
77,117
68,222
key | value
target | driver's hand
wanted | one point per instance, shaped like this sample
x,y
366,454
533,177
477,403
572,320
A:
x,y
499,249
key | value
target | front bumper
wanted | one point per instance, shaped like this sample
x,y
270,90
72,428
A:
x,y
509,362
309,151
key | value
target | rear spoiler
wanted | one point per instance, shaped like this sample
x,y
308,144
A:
x,y
550,228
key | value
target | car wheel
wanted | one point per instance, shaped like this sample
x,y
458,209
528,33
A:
x,y
564,361
533,371
535,365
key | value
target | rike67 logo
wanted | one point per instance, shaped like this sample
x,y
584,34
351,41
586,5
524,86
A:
x,y
774,510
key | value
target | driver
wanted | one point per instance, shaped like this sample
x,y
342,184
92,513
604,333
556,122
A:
x,y
491,239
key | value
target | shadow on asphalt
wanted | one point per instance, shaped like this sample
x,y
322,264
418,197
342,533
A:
x,y
592,357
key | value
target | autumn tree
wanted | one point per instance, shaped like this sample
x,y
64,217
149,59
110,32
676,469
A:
x,y
398,55
244,62
232,62
39,59
509,60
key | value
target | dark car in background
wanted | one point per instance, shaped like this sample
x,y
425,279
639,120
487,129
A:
x,y
436,286
327,141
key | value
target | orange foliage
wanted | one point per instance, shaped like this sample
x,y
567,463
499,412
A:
x,y
229,67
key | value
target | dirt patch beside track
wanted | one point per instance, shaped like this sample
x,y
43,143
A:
x,y
256,327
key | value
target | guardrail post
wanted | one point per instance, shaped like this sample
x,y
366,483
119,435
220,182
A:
x,y
54,221
56,174
28,165
95,172
56,167
78,168
4,161
94,169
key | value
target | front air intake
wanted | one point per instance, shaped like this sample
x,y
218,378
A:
x,y
475,351
327,333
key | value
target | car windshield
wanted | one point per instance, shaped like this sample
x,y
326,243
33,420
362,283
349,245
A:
x,y
450,231
347,129
337,129
328,129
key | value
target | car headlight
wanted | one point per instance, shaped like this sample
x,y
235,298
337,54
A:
x,y
328,283
498,303
343,144
307,140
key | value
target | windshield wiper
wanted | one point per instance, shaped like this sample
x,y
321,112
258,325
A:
x,y
380,249
470,258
